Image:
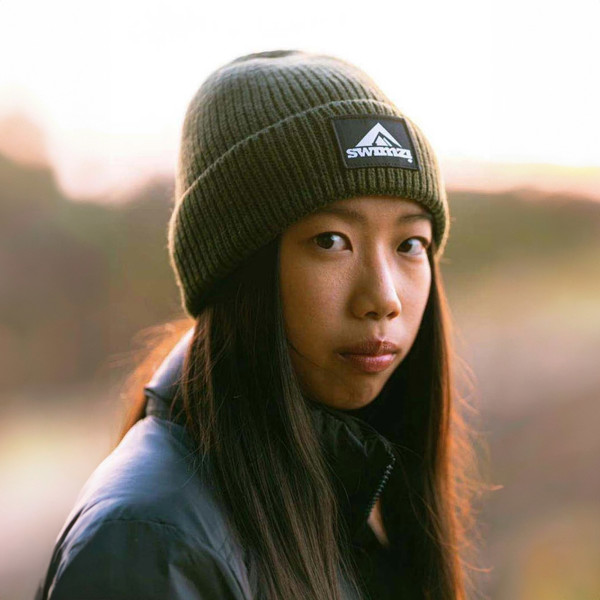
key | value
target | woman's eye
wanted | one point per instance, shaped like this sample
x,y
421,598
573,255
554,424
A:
x,y
423,243
326,239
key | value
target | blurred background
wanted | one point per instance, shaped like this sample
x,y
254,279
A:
x,y
92,97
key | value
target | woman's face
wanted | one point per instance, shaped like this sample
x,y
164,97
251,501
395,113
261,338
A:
x,y
354,271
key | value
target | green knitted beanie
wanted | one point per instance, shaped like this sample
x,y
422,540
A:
x,y
272,136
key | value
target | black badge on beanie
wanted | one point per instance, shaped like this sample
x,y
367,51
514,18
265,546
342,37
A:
x,y
375,141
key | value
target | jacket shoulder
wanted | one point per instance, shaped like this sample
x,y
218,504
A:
x,y
147,517
152,475
124,559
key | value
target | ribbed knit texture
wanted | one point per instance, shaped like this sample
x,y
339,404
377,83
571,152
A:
x,y
258,152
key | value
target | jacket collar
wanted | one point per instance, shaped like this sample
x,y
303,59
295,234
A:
x,y
359,457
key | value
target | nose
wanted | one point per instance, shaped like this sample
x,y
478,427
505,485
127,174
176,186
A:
x,y
376,292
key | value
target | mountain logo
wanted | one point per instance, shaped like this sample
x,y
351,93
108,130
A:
x,y
379,142
382,142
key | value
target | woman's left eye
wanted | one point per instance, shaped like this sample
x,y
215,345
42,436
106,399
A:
x,y
422,241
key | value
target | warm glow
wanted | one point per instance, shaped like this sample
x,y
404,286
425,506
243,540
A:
x,y
499,82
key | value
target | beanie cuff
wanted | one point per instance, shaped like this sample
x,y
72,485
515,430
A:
x,y
270,179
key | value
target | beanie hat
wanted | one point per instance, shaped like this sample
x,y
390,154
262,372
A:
x,y
272,136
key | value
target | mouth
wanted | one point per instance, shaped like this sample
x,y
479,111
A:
x,y
368,363
371,347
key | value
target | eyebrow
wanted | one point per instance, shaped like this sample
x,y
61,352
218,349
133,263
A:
x,y
350,213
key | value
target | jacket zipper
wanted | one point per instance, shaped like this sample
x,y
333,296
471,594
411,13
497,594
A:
x,y
380,486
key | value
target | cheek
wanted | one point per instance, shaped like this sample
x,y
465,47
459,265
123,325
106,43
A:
x,y
414,303
310,304
421,285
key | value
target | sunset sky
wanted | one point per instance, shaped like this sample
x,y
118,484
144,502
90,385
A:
x,y
490,83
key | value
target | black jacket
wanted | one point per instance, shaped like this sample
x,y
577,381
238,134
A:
x,y
146,525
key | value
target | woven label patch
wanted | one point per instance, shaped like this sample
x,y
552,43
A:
x,y
375,141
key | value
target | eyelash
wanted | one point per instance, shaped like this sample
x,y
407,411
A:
x,y
425,242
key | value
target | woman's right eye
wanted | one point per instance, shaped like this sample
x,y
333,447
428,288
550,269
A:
x,y
326,239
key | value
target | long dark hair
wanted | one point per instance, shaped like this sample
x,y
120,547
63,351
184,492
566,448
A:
x,y
245,411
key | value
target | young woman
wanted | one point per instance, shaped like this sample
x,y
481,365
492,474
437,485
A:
x,y
301,439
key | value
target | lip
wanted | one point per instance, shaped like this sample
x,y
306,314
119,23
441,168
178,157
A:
x,y
371,347
370,356
369,363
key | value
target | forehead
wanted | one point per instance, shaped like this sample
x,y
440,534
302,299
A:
x,y
374,208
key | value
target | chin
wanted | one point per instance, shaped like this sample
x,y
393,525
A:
x,y
352,405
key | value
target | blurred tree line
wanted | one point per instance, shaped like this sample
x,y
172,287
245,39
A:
x,y
79,279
